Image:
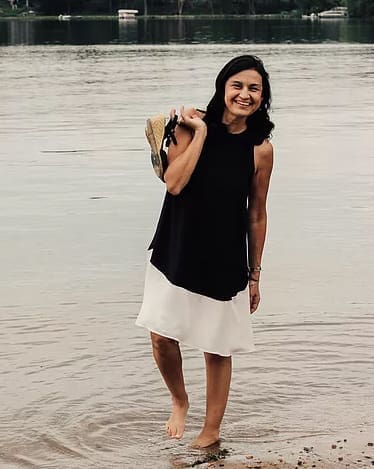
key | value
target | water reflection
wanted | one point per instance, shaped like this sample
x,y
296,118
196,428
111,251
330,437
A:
x,y
179,30
21,32
128,31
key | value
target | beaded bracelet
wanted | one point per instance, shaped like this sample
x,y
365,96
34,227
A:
x,y
255,269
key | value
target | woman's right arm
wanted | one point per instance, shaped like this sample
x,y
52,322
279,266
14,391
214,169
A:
x,y
183,157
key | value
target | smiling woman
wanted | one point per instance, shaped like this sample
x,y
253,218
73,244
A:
x,y
203,277
243,96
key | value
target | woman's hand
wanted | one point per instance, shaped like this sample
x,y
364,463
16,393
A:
x,y
192,118
254,295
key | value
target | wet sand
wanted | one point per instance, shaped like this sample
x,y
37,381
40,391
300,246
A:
x,y
350,449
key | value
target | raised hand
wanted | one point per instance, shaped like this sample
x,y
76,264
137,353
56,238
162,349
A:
x,y
192,118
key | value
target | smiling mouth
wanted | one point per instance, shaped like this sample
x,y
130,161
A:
x,y
242,103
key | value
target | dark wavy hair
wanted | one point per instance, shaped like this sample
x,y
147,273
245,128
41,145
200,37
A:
x,y
259,123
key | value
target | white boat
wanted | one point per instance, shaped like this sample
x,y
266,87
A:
x,y
312,16
127,14
337,12
68,17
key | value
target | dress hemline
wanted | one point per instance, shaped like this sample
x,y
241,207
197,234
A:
x,y
168,336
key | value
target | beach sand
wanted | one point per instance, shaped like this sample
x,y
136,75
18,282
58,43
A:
x,y
349,449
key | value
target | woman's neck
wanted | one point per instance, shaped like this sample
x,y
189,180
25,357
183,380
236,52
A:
x,y
235,125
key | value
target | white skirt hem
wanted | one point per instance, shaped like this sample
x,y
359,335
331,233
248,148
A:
x,y
218,327
168,336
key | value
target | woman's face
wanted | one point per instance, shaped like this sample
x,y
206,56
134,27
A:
x,y
243,94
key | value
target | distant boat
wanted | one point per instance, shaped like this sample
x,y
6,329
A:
x,y
312,16
68,17
127,14
337,12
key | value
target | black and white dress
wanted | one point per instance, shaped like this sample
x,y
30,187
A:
x,y
196,285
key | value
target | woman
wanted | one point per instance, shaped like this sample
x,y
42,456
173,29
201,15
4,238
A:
x,y
203,276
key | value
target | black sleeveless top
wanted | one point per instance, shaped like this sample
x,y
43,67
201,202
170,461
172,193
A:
x,y
200,242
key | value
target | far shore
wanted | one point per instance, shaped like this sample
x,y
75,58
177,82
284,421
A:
x,y
150,17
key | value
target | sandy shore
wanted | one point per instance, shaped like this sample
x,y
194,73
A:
x,y
351,449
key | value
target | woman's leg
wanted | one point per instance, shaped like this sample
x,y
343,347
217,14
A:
x,y
169,361
218,378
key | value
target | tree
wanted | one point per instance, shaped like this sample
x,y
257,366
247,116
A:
x,y
180,6
361,8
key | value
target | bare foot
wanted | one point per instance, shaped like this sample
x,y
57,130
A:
x,y
205,439
176,423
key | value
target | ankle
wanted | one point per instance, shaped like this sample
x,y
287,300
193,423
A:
x,y
210,430
180,401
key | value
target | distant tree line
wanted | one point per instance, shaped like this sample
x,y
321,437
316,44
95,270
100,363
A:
x,y
359,8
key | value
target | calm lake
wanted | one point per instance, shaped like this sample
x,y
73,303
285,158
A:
x,y
188,31
78,385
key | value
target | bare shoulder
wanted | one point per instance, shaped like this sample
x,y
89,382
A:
x,y
263,156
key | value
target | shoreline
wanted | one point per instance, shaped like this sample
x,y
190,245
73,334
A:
x,y
345,449
83,17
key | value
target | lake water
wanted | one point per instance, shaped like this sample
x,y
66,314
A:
x,y
179,30
78,205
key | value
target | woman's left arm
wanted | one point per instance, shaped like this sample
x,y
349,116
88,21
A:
x,y
263,157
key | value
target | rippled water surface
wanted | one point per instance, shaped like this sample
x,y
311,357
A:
x,y
78,204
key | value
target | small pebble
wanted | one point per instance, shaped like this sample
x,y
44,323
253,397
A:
x,y
340,458
333,446
370,444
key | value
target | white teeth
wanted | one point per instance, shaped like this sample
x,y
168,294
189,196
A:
x,y
242,104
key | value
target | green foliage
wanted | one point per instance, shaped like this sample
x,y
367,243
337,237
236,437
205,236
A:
x,y
361,8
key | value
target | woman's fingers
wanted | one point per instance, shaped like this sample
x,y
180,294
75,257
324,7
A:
x,y
254,304
191,118
254,297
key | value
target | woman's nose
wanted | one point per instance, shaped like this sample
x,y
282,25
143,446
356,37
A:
x,y
245,93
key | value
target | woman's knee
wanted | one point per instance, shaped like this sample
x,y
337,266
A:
x,y
162,343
